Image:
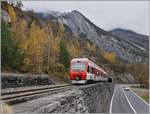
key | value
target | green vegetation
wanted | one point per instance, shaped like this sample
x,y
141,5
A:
x,y
142,92
64,55
12,55
145,97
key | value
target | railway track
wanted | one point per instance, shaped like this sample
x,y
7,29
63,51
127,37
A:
x,y
13,96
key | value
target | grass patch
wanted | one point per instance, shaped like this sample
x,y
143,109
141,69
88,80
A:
x,y
141,92
145,97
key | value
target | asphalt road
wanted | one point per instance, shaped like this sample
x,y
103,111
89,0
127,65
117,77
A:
x,y
138,104
127,102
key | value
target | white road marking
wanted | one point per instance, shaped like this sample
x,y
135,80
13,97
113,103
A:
x,y
110,109
139,97
129,101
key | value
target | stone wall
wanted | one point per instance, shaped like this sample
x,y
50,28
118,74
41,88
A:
x,y
67,102
93,98
11,80
97,97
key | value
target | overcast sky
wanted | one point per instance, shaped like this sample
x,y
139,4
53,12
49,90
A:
x,y
108,15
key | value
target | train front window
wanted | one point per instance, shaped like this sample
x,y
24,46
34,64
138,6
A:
x,y
78,66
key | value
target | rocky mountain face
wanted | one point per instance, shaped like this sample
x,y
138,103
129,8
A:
x,y
126,49
131,36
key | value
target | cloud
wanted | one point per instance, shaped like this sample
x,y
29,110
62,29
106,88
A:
x,y
108,15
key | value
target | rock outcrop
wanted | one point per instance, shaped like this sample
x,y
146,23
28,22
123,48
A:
x,y
132,37
124,78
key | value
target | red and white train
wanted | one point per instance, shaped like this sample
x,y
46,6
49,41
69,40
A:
x,y
83,70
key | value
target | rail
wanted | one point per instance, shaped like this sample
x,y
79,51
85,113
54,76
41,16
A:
x,y
27,93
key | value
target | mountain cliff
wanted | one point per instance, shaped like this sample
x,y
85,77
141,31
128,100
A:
x,y
127,47
131,36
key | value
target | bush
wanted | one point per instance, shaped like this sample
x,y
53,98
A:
x,y
140,71
60,67
64,76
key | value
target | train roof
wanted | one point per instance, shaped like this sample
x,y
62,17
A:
x,y
79,59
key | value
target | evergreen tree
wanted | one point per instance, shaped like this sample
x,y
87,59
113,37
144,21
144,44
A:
x,y
11,53
64,55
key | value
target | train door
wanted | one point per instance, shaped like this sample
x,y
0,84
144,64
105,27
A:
x,y
90,74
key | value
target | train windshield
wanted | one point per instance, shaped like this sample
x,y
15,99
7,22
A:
x,y
78,66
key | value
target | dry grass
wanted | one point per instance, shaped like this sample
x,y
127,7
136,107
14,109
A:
x,y
5,109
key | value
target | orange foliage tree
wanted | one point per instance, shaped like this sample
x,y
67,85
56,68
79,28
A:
x,y
90,48
54,32
110,56
20,30
12,13
74,48
34,49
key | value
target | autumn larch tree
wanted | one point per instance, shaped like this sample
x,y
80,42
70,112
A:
x,y
34,49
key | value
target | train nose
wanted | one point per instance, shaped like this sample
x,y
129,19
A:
x,y
78,76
